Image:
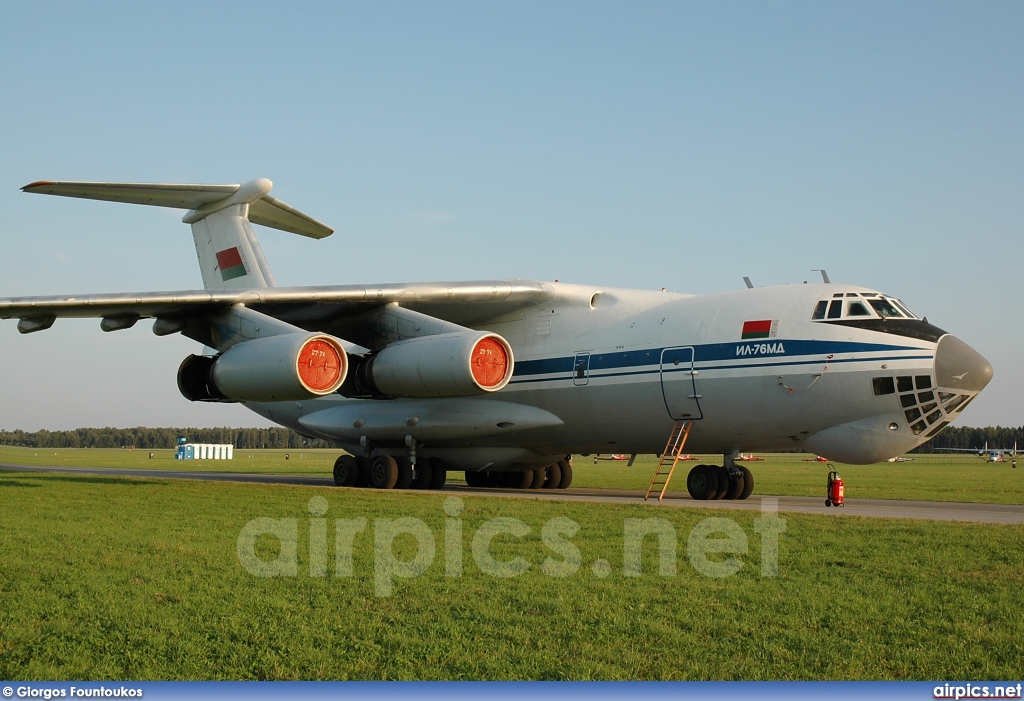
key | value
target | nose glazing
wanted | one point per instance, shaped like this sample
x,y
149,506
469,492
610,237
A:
x,y
960,367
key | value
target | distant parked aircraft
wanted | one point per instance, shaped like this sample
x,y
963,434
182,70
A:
x,y
988,454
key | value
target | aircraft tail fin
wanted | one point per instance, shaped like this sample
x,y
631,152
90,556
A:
x,y
229,253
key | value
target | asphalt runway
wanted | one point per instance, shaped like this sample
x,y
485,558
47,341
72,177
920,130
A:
x,y
878,508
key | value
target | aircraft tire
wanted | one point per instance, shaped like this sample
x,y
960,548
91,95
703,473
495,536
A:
x,y
383,472
748,483
422,475
566,479
723,481
539,477
493,479
363,479
404,480
522,479
736,483
702,482
554,471
438,474
476,479
346,471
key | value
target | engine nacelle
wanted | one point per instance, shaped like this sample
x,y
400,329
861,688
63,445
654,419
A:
x,y
276,368
458,364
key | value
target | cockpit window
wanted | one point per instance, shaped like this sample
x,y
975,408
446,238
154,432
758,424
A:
x,y
819,310
885,309
857,309
861,306
903,308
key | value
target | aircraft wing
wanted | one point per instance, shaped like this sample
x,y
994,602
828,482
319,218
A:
x,y
312,308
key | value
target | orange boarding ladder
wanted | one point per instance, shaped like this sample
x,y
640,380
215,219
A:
x,y
673,452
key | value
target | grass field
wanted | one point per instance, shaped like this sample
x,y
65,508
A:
x,y
298,462
119,578
928,477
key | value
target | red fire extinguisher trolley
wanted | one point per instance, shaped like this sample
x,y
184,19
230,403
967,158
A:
x,y
834,489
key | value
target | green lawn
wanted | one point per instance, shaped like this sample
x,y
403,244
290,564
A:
x,y
104,577
290,462
121,578
928,477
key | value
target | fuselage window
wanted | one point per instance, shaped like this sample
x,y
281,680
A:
x,y
857,309
819,310
905,383
835,310
884,385
885,309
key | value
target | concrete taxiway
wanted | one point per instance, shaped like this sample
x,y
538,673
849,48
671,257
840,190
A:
x,y
879,508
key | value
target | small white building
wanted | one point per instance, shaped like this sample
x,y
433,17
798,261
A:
x,y
205,451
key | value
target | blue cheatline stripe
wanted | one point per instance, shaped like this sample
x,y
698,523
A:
x,y
556,368
710,368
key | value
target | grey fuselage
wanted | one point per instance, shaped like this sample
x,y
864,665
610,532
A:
x,y
602,370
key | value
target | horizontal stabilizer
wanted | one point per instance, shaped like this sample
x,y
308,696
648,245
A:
x,y
266,210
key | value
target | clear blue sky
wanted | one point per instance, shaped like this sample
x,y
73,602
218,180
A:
x,y
636,144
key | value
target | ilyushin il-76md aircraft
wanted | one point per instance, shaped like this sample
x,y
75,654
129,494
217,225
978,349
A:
x,y
505,379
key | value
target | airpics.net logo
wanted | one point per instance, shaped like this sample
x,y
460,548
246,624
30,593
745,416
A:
x,y
962,690
714,546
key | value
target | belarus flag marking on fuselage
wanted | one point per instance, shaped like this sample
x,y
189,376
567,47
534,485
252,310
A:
x,y
757,329
231,264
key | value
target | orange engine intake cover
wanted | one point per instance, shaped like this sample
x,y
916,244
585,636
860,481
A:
x,y
319,365
489,363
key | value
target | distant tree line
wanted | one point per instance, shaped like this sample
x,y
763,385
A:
x,y
969,437
255,438
150,438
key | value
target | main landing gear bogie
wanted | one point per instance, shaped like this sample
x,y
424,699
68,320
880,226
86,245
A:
x,y
389,472
707,482
557,475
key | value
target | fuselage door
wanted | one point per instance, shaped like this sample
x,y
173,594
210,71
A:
x,y
679,383
581,369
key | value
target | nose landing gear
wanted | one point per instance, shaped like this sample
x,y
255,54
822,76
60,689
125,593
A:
x,y
729,481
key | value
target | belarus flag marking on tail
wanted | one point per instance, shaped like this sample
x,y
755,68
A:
x,y
757,329
231,264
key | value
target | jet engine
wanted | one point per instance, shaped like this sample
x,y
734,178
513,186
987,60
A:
x,y
459,364
288,367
